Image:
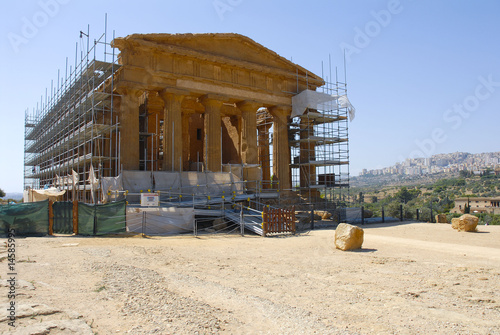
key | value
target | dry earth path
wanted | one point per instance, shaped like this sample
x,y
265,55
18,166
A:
x,y
408,279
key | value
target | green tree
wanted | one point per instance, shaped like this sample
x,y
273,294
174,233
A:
x,y
404,195
2,193
465,173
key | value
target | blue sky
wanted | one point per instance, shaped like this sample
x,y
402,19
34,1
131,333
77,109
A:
x,y
424,75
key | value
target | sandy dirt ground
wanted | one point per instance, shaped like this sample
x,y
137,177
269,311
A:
x,y
411,278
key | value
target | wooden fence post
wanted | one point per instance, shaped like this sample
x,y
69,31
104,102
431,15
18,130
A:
x,y
265,219
51,217
75,217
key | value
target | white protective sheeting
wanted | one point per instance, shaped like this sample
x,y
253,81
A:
x,y
321,101
137,181
160,221
194,182
345,103
309,99
167,181
219,183
236,170
110,189
40,195
186,183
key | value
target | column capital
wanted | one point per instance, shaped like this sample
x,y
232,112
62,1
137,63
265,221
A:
x,y
249,105
172,91
212,99
129,91
280,110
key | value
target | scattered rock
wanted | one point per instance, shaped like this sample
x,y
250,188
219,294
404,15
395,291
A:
x,y
70,244
28,310
441,218
55,327
455,222
348,237
325,215
467,223
19,284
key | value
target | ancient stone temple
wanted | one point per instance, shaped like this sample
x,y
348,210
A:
x,y
188,102
204,92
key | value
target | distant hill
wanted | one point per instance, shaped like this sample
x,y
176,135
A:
x,y
13,196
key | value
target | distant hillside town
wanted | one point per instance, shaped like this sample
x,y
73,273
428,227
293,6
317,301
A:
x,y
454,162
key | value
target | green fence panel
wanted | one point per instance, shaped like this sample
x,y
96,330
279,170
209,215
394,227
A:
x,y
63,217
111,218
27,219
86,215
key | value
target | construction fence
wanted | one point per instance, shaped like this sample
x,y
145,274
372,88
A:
x,y
64,217
47,218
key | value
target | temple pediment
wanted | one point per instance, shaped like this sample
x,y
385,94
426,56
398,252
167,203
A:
x,y
219,47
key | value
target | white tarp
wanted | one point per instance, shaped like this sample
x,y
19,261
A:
x,y
160,221
219,183
318,100
137,181
71,179
51,193
167,181
186,183
345,103
194,182
110,188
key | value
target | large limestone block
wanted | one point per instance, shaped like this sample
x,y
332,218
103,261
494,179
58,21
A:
x,y
441,218
455,222
468,223
348,237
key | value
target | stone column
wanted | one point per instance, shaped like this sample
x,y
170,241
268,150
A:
x,y
129,127
186,139
172,131
212,148
155,113
306,155
281,147
249,140
263,151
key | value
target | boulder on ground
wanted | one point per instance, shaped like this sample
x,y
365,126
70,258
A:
x,y
348,237
455,222
467,222
441,218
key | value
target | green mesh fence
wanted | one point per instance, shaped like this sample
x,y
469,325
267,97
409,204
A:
x,y
86,214
27,218
102,219
63,217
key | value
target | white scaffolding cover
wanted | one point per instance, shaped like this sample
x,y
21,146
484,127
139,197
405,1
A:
x,y
317,100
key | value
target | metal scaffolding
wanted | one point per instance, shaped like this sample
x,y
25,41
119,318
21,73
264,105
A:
x,y
319,141
72,137
319,150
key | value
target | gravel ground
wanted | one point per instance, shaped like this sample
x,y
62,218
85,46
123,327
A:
x,y
408,279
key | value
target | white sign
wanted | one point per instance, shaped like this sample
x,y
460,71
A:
x,y
150,199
